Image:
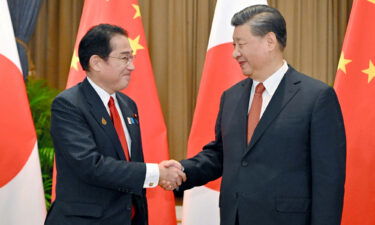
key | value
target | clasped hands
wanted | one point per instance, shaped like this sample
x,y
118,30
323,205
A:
x,y
171,174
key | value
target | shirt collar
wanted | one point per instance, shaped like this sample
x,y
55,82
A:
x,y
274,80
104,96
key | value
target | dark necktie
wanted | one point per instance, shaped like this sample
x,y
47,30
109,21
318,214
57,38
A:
x,y
254,114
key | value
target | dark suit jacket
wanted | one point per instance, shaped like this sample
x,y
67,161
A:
x,y
293,170
95,185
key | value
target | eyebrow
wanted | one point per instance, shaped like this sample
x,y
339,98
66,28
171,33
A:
x,y
237,39
126,52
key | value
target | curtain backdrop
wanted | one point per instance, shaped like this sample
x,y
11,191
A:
x,y
24,14
177,33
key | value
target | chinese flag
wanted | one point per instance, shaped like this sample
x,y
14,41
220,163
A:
x,y
220,72
21,189
355,86
142,89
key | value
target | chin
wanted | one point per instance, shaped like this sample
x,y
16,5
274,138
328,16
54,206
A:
x,y
122,86
125,82
247,73
246,70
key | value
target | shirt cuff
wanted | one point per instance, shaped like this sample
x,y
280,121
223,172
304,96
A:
x,y
152,175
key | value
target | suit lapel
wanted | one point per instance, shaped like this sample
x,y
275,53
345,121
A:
x,y
287,89
101,115
239,116
132,125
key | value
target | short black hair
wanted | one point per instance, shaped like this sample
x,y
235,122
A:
x,y
97,42
262,20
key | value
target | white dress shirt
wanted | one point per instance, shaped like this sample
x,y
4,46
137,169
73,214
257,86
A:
x,y
152,169
270,85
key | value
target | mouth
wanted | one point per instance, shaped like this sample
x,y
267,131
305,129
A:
x,y
241,63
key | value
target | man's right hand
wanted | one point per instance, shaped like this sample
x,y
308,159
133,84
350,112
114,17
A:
x,y
171,174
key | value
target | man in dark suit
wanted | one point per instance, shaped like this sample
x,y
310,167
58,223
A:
x,y
279,139
101,175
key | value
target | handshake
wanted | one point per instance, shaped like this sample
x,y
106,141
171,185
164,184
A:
x,y
171,175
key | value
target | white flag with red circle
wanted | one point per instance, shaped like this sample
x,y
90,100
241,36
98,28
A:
x,y
21,189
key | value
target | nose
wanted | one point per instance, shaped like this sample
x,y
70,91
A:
x,y
236,53
130,66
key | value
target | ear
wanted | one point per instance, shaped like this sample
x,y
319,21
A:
x,y
271,40
95,63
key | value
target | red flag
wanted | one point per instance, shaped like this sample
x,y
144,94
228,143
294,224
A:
x,y
220,72
142,89
355,86
21,189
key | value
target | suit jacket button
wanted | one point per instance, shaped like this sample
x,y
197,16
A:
x,y
244,163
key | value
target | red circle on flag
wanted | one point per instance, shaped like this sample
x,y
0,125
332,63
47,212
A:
x,y
16,127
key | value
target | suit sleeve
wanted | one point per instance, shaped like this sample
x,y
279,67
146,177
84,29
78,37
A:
x,y
76,147
328,158
208,164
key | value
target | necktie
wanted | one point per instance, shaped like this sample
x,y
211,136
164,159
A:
x,y
254,114
118,126
121,135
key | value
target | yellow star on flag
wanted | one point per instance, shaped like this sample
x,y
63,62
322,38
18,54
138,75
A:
x,y
134,44
137,11
343,62
370,71
372,1
75,60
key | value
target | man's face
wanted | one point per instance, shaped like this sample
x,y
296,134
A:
x,y
250,51
115,73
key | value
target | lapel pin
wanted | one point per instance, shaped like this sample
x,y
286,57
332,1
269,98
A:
x,y
129,120
135,118
104,122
